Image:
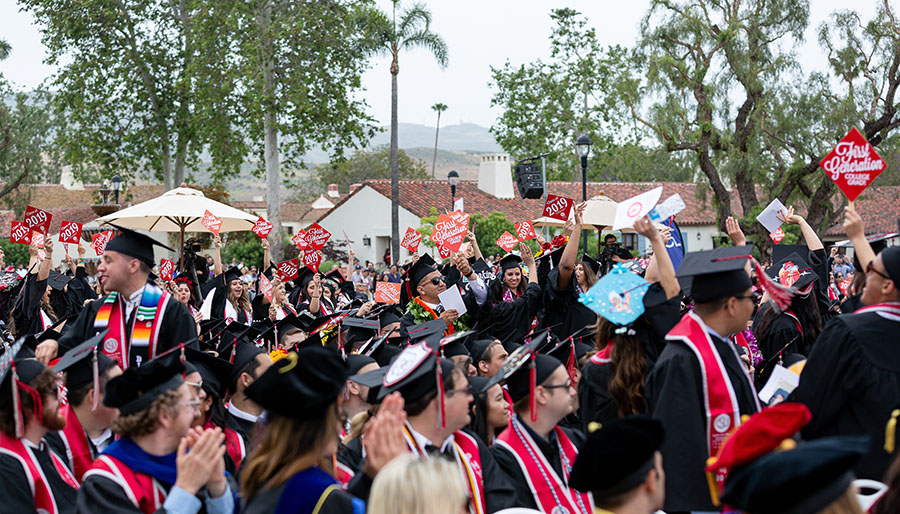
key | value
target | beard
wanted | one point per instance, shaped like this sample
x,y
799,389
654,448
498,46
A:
x,y
53,420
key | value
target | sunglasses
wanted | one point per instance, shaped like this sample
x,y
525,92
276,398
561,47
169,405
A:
x,y
871,268
436,280
755,296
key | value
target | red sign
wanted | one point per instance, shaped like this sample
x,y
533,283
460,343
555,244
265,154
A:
x,y
525,231
288,270
312,260
38,240
444,252
98,241
558,207
262,228
448,233
460,217
411,239
19,233
166,269
387,292
265,286
37,219
844,286
211,222
507,241
70,232
777,236
317,236
299,240
853,164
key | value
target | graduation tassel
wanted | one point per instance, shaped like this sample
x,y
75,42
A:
x,y
440,387
570,362
711,481
890,432
95,371
532,378
17,413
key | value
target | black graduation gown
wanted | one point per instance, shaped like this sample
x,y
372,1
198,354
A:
x,y
219,298
562,310
15,493
499,491
660,315
27,315
851,383
350,454
473,311
337,502
244,428
507,462
851,304
511,321
675,397
55,442
177,326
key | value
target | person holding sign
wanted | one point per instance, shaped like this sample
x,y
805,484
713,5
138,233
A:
x,y
231,299
143,320
32,312
516,303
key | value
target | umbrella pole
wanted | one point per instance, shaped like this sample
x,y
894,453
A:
x,y
181,250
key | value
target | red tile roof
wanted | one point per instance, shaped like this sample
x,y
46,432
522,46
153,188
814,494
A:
x,y
879,208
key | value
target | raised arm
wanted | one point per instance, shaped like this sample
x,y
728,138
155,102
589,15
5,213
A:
x,y
471,236
217,256
853,226
267,259
351,258
570,252
528,259
664,267
48,259
809,235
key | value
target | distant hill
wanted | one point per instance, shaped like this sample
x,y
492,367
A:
x,y
465,136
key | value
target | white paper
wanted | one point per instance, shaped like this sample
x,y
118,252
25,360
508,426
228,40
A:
x,y
206,308
768,217
782,381
452,299
670,207
459,204
635,208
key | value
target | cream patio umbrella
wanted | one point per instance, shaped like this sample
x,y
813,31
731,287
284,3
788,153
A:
x,y
179,210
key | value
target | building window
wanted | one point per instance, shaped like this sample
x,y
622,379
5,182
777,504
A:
x,y
630,241
290,229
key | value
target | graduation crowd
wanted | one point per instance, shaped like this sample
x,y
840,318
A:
x,y
121,392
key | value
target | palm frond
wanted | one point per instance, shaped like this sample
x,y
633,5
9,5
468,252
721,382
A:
x,y
414,19
430,41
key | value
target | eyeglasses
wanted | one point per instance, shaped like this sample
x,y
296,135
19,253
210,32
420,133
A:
x,y
871,268
567,384
467,389
196,385
193,404
755,296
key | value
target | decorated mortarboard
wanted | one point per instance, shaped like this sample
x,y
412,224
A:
x,y
553,250
139,386
418,370
510,261
631,443
591,262
57,281
793,271
134,244
779,252
482,269
338,277
302,384
304,277
84,364
714,274
216,372
618,296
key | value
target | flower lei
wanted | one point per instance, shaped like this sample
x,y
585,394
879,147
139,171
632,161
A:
x,y
420,315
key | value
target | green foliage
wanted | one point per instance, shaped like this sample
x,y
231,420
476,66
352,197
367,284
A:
x,y
242,247
368,165
14,253
488,229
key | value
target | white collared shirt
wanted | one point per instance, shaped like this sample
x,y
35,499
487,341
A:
x,y
423,441
103,440
238,413
132,301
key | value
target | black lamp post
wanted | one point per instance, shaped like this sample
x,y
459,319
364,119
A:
x,y
116,186
583,147
453,178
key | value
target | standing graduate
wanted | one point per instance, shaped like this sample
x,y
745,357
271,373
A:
x,y
515,302
699,388
851,381
143,320
33,479
231,296
31,311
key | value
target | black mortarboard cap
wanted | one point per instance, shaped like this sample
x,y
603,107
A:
x,y
387,317
357,362
139,386
210,328
510,261
53,331
372,380
518,358
216,372
418,271
302,384
289,322
58,281
413,372
427,329
359,329
134,244
803,480
714,274
478,347
455,344
518,383
304,277
80,362
630,442
793,271
779,252
587,260
232,273
25,371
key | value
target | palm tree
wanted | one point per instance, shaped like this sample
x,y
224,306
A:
x,y
439,107
407,29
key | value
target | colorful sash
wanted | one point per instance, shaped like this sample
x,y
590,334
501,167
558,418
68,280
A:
x,y
465,451
78,449
144,329
551,493
434,315
723,413
231,314
44,501
144,491
887,310
234,445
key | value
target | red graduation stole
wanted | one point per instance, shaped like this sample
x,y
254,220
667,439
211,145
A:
x,y
723,413
887,310
44,501
78,450
551,492
234,445
434,315
342,473
465,451
144,328
143,490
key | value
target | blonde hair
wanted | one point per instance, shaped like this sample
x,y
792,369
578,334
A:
x,y
412,485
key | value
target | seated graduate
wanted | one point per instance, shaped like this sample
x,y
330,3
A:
x,y
515,301
533,450
490,410
620,465
214,374
488,355
160,464
33,479
286,472
768,472
87,432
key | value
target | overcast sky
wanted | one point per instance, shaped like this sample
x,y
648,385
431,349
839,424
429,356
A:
x,y
479,34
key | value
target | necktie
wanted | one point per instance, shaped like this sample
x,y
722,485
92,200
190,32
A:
x,y
439,309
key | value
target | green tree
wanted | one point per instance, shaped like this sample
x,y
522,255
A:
x,y
390,36
14,253
439,108
369,164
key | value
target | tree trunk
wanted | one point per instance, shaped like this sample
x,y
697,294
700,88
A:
x,y
436,132
395,169
270,153
166,164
